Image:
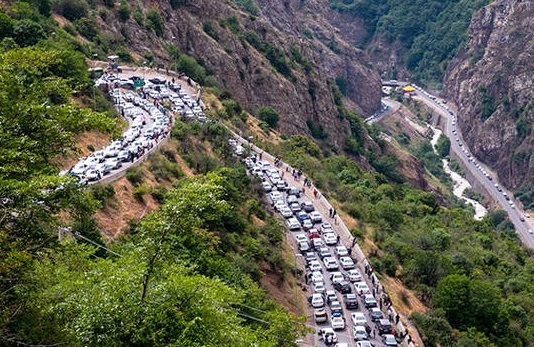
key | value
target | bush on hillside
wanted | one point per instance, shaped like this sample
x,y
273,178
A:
x,y
71,9
268,115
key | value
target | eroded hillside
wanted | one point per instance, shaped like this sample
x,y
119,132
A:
x,y
283,54
492,82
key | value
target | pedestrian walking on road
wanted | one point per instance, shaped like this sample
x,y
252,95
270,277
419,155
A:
x,y
330,212
338,239
334,213
315,193
397,318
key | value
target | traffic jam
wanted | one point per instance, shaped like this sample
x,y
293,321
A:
x,y
149,111
347,308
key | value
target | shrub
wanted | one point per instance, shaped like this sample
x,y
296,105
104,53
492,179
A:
x,y
72,9
159,193
154,20
177,3
268,115
249,6
109,3
231,23
316,130
87,27
208,29
102,192
124,11
27,32
141,190
138,16
135,175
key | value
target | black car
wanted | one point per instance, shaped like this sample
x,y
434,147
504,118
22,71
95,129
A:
x,y
343,287
351,301
384,326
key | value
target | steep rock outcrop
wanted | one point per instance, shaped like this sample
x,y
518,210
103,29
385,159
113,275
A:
x,y
241,57
492,82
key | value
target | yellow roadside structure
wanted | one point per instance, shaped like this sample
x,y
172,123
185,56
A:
x,y
408,89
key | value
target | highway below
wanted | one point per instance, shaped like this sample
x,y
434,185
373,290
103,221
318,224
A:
x,y
478,171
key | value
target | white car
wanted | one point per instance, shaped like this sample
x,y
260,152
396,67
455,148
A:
x,y
389,340
338,323
362,288
275,196
359,333
354,275
330,263
316,217
328,335
103,168
358,318
314,265
317,276
317,243
307,224
330,238
341,251
317,300
301,237
114,163
293,224
337,277
92,175
326,226
278,204
347,263
267,187
285,212
319,287
363,344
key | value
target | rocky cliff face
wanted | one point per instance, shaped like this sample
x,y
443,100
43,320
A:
x,y
240,48
492,81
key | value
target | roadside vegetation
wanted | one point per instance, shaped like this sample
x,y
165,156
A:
x,y
186,274
475,276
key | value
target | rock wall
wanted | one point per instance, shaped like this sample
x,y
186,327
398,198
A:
x,y
492,81
294,27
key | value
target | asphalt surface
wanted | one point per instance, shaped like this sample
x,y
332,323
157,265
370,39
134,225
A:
x,y
480,173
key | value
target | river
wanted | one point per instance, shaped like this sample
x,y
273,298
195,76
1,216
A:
x,y
460,184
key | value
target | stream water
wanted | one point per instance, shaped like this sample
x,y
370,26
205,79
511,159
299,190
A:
x,y
460,184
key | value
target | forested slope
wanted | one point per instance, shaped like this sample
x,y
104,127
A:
x,y
421,36
186,275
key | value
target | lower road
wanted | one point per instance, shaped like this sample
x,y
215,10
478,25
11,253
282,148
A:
x,y
478,171
321,204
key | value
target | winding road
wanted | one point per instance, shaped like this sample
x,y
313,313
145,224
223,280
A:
x,y
477,171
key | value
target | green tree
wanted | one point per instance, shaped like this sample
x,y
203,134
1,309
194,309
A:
x,y
268,115
71,9
27,32
154,21
124,11
443,146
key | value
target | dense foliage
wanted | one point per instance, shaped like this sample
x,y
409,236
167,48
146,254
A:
x,y
431,32
187,274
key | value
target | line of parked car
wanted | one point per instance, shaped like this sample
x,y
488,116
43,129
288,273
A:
x,y
149,121
334,281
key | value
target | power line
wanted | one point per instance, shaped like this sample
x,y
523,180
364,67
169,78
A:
x,y
96,244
